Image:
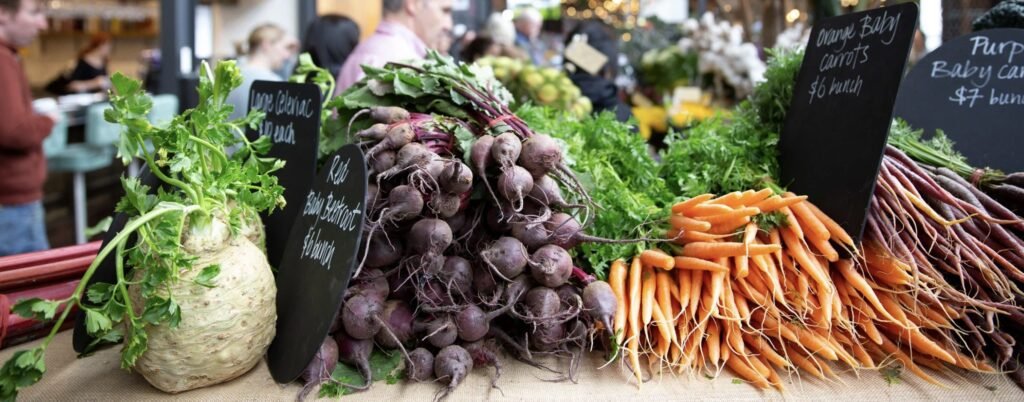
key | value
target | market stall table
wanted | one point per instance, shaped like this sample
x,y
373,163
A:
x,y
74,106
100,378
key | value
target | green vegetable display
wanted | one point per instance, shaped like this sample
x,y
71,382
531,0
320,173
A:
x,y
435,85
633,190
655,34
721,155
308,72
669,67
208,200
475,212
936,151
544,86
619,174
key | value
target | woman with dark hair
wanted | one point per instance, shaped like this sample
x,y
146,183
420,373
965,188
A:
x,y
600,87
484,46
90,71
477,48
330,39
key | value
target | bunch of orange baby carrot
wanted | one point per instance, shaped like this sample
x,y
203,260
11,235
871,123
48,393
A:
x,y
755,283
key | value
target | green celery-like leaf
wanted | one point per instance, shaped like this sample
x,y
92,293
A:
x,y
160,310
891,373
36,308
134,345
771,220
102,226
114,336
99,293
23,369
122,84
383,366
386,366
466,139
96,322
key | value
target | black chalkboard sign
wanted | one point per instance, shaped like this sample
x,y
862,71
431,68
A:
x,y
293,123
318,261
972,88
838,121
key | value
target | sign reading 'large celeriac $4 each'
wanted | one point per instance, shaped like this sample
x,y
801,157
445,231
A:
x,y
838,121
293,124
972,88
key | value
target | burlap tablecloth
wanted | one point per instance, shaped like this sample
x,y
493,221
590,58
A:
x,y
99,378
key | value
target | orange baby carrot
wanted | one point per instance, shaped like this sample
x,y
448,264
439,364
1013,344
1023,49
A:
x,y
647,294
731,215
691,263
704,210
709,250
732,200
687,223
834,229
657,258
775,202
617,279
634,298
813,227
753,197
685,206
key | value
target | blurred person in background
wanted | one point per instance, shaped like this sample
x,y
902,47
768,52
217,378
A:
x,y
482,46
288,66
269,47
528,25
502,30
442,43
22,131
497,38
149,68
407,29
330,39
90,73
600,87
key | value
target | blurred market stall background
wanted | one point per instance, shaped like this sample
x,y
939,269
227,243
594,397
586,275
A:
x,y
677,60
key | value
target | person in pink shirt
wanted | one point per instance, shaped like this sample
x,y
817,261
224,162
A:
x,y
406,30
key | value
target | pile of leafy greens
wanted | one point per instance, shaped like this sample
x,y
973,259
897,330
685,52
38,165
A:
x,y
721,155
615,167
937,151
633,191
199,181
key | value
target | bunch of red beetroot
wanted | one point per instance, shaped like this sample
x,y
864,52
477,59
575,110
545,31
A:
x,y
466,256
